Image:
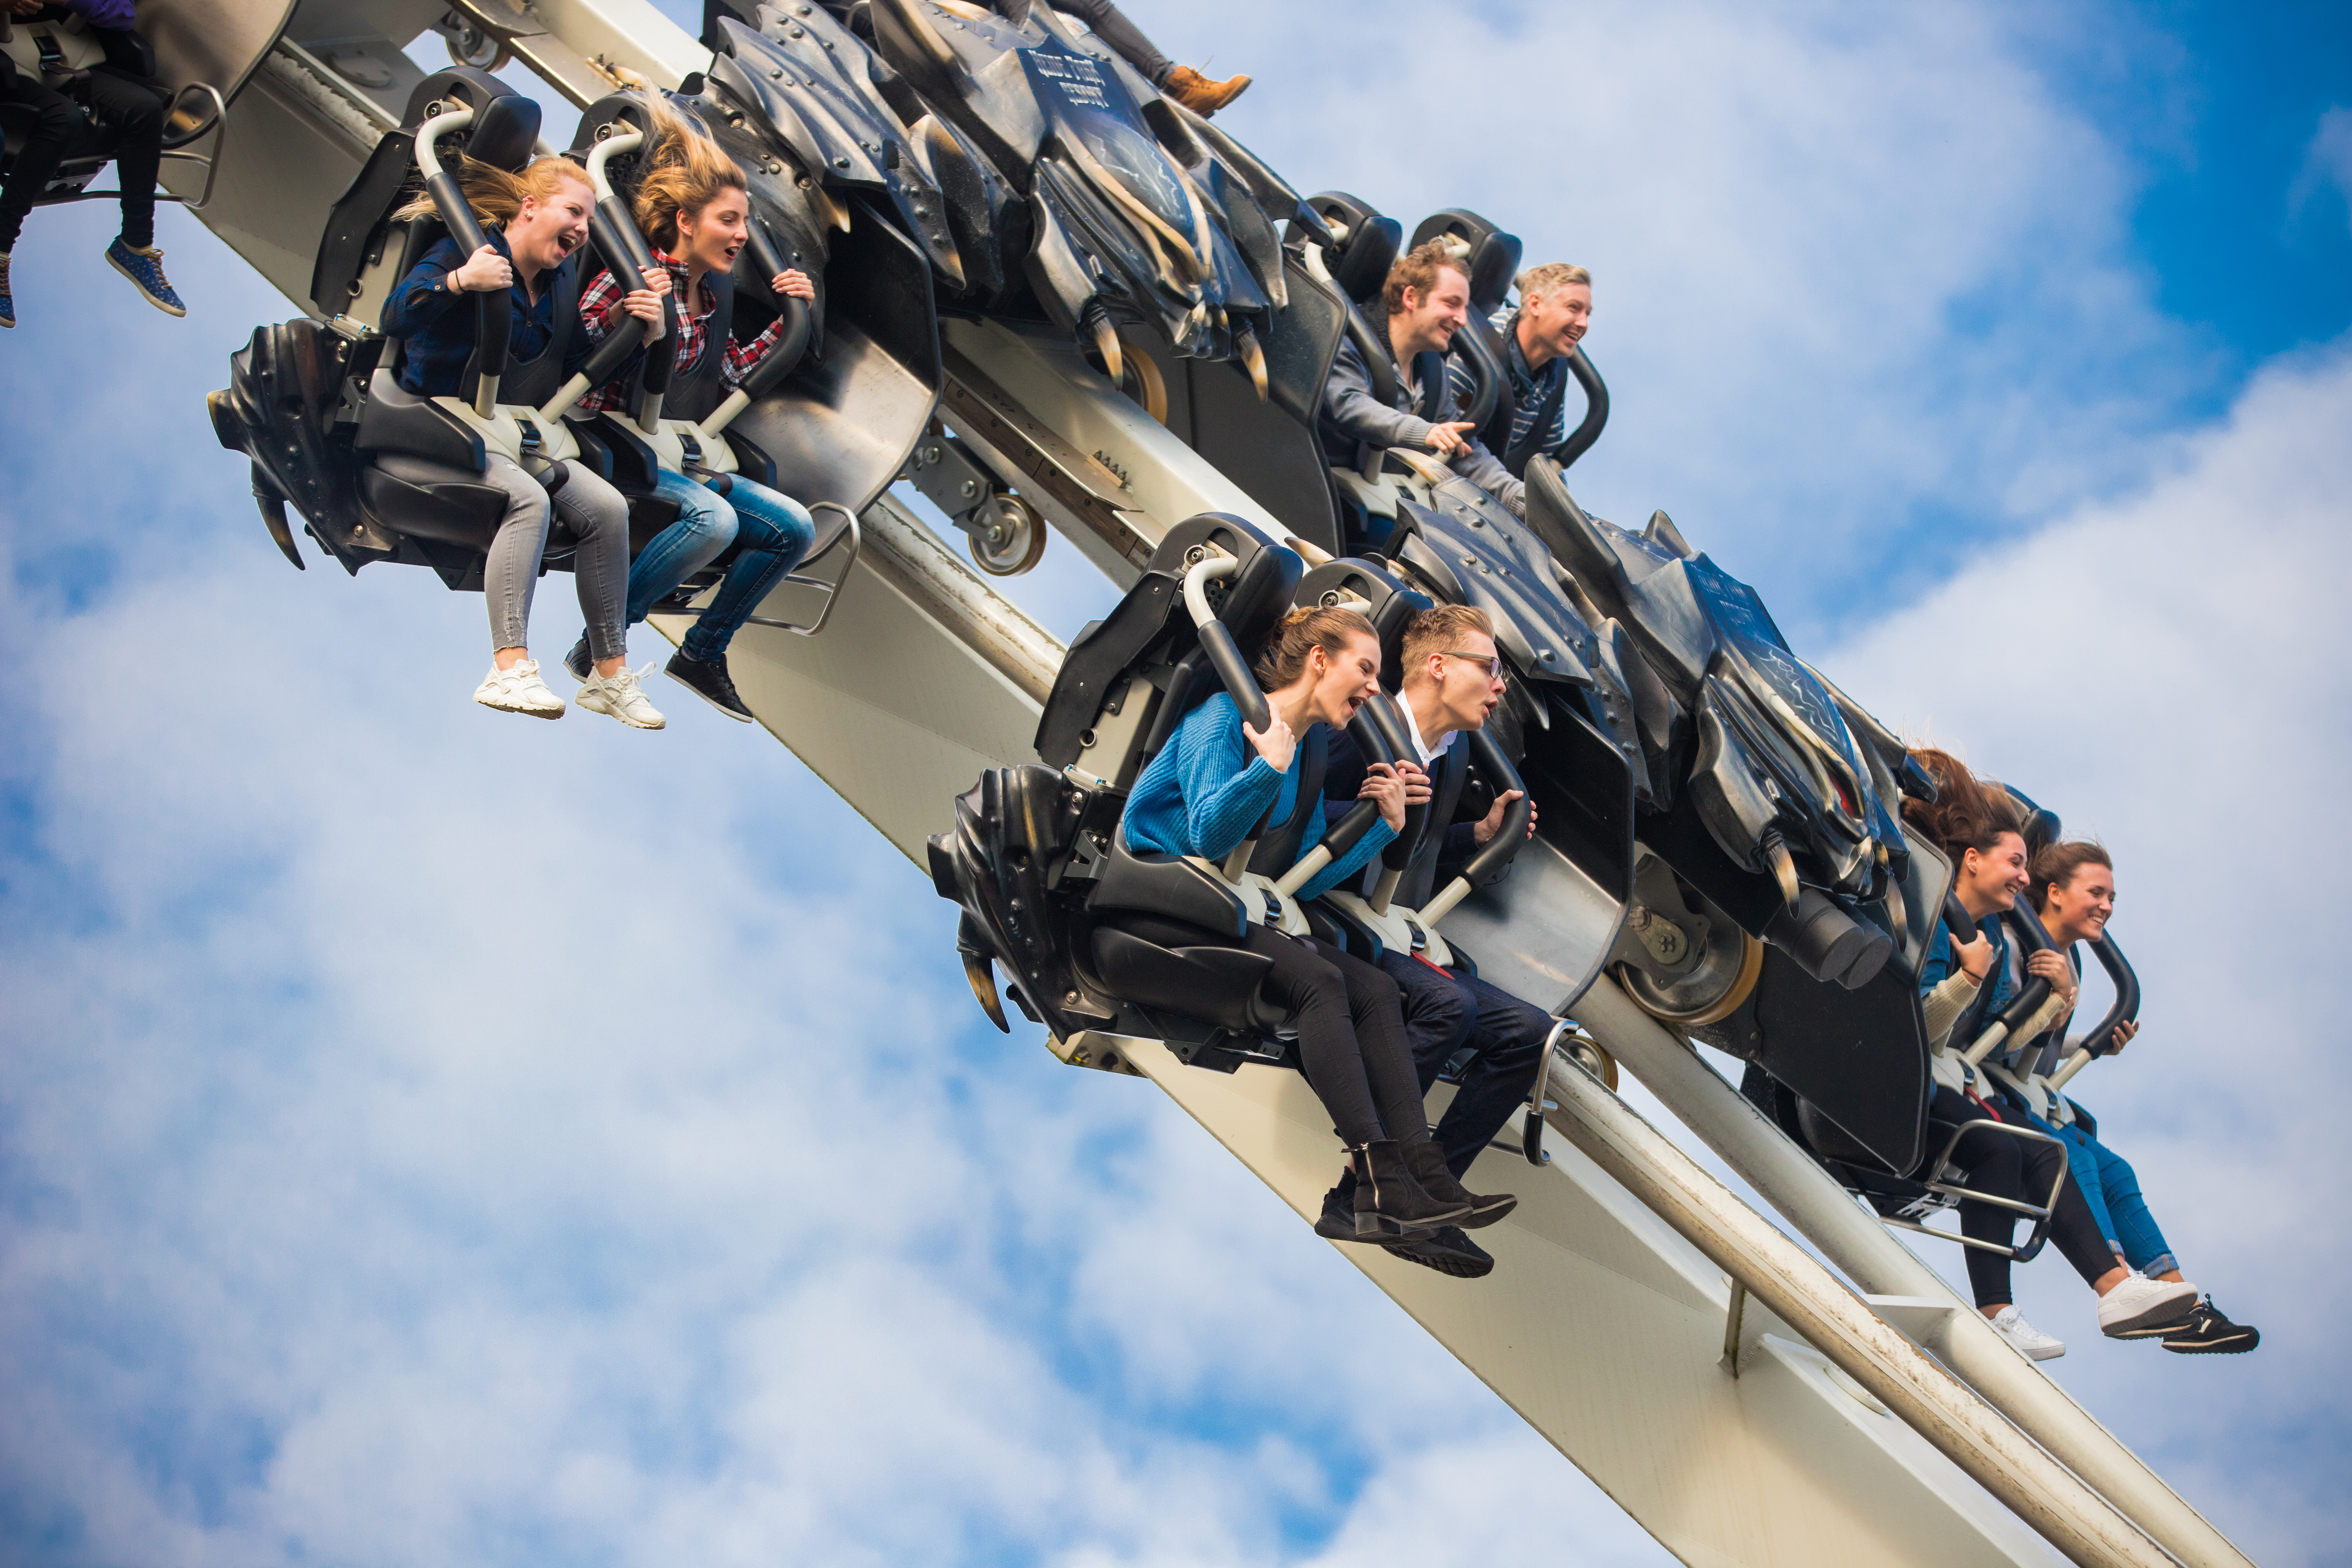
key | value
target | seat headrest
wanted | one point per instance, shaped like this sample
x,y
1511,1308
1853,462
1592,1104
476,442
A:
x,y
473,88
1360,266
505,131
1491,254
1391,604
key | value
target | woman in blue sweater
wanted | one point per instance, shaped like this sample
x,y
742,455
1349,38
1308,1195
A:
x,y
1201,795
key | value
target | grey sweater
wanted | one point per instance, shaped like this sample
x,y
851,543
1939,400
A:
x,y
1353,418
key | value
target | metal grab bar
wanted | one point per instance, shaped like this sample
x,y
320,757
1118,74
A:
x,y
2041,1216
494,310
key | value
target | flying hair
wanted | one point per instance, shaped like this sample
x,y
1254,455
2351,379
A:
x,y
1417,269
1968,813
1301,632
497,194
684,173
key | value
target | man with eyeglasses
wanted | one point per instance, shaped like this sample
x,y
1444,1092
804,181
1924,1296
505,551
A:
x,y
1453,676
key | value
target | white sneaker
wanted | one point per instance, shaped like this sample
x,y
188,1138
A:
x,y
519,690
2025,1339
619,695
2140,1302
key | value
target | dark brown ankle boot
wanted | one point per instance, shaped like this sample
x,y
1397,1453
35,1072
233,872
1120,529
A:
x,y
1389,1205
1426,1160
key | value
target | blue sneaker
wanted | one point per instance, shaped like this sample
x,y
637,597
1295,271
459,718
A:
x,y
145,270
7,300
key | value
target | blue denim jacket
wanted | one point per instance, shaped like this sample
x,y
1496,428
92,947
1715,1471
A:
x,y
439,325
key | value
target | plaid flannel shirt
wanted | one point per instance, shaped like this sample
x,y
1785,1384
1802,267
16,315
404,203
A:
x,y
600,311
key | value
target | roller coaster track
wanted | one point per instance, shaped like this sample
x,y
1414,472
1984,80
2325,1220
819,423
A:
x,y
1730,1393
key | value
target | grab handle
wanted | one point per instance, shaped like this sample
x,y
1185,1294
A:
x,y
493,309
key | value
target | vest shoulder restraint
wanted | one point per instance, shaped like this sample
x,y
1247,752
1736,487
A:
x,y
1447,775
530,383
697,389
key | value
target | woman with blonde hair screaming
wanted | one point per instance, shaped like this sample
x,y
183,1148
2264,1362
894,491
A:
x,y
533,225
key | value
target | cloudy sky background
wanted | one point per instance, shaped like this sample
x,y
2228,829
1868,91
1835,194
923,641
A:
x,y
426,1137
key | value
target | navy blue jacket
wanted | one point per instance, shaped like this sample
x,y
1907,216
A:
x,y
439,325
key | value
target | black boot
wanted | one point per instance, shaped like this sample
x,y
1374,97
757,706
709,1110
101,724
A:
x,y
1449,1251
1426,1160
1389,1205
1338,1220
577,661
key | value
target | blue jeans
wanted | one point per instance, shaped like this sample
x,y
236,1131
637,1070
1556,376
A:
x,y
1446,1010
776,532
2112,1189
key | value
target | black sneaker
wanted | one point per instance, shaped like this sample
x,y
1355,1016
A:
x,y
1450,1251
2207,1333
577,661
708,679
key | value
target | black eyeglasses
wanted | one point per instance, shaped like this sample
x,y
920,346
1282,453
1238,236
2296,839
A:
x,y
1491,663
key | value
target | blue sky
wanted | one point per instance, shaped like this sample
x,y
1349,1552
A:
x,y
426,1137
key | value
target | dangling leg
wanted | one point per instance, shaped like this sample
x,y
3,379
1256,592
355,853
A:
x,y
137,116
775,532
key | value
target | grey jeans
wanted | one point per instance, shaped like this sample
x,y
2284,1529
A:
x,y
597,515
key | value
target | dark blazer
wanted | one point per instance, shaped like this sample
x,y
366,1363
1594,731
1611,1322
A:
x,y
1449,836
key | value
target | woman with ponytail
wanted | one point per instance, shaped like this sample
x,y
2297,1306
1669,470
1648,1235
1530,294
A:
x,y
534,223
1203,794
1978,825
693,207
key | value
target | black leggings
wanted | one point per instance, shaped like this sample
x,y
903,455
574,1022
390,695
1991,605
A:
x,y
135,115
2018,1168
1351,1037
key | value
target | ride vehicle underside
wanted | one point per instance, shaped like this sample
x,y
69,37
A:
x,y
1054,300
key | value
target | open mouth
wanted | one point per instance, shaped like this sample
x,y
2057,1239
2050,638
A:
x,y
565,244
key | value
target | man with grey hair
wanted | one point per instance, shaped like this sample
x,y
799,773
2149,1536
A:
x,y
1554,310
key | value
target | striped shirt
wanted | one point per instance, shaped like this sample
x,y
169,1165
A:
x,y
1528,387
600,306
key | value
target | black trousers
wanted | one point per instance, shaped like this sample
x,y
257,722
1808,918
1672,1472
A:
x,y
1351,1038
2009,1167
1126,40
1446,1010
128,111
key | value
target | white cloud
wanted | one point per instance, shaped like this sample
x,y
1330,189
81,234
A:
x,y
2165,672
2328,162
1852,264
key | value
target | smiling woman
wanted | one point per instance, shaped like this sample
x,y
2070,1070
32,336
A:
x,y
533,222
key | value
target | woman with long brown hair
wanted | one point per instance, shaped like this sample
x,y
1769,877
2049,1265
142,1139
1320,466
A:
x,y
1979,826
693,206
1201,795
